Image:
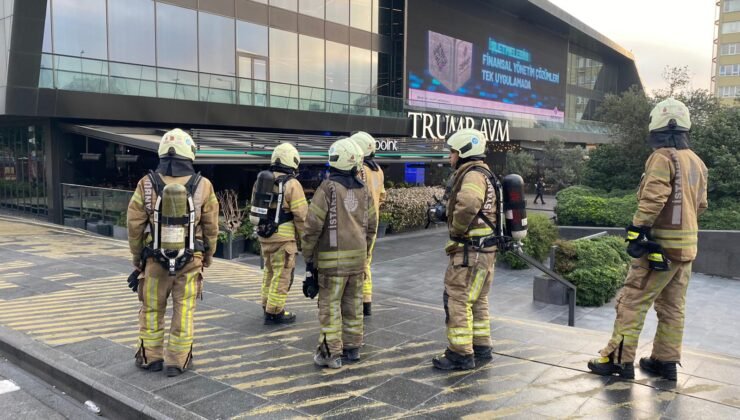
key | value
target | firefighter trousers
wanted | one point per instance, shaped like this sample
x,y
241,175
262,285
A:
x,y
340,313
466,301
277,277
367,284
154,289
642,288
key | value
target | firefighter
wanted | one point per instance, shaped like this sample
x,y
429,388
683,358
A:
x,y
471,210
170,249
372,175
663,243
340,226
280,240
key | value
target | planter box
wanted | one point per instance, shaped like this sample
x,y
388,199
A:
x,y
105,229
75,222
252,246
382,228
547,290
120,232
92,226
231,249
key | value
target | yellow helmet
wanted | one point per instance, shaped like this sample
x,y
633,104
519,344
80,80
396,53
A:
x,y
670,114
365,142
177,142
287,155
468,142
344,155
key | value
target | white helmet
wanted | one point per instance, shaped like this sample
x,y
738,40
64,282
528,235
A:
x,y
468,142
177,142
344,155
365,142
670,114
287,155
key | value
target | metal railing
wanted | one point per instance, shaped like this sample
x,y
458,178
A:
x,y
109,77
106,205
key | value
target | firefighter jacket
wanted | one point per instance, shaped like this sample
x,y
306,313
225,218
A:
x,y
294,202
672,195
374,180
340,226
141,214
472,193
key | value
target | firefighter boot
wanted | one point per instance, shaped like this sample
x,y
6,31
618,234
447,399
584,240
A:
x,y
451,360
367,308
333,361
667,370
352,355
283,317
173,371
155,366
483,352
605,366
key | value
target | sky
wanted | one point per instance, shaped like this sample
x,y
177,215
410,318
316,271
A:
x,y
658,32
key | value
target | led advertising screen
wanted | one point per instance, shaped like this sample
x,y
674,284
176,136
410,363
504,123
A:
x,y
464,55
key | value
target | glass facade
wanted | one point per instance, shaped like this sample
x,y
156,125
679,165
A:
x,y
158,49
23,170
589,79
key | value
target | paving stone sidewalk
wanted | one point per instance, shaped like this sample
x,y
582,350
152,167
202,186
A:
x,y
67,291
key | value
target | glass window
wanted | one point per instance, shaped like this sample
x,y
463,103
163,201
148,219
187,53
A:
x,y
47,31
79,28
311,61
361,14
732,6
729,70
337,11
177,39
251,38
374,74
730,49
360,64
131,29
283,56
337,66
216,44
285,4
731,27
313,8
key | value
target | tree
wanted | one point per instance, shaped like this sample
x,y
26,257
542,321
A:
x,y
718,144
521,163
563,165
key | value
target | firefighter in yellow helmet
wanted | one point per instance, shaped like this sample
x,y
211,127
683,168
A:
x,y
172,233
280,231
663,242
340,226
372,175
469,274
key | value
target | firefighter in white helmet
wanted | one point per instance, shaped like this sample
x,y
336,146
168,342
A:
x,y
340,226
372,175
172,233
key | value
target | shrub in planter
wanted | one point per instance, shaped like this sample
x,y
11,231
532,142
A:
x,y
583,206
407,207
597,267
541,235
383,222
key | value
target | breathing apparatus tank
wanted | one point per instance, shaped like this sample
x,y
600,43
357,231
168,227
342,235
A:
x,y
515,207
262,198
174,217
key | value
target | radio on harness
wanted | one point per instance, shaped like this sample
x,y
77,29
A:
x,y
266,211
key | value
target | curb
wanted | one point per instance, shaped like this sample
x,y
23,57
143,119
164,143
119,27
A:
x,y
116,399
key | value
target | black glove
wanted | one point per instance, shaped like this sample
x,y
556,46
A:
x,y
636,237
311,282
656,256
133,280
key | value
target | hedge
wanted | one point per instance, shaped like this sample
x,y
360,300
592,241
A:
x,y
597,267
541,235
407,207
584,206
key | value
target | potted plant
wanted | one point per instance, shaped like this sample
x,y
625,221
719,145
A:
x,y
120,229
383,222
247,230
230,243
